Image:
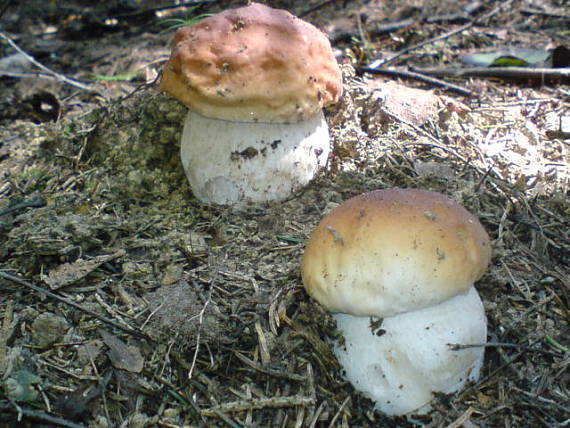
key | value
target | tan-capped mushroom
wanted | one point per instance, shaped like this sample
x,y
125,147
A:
x,y
397,267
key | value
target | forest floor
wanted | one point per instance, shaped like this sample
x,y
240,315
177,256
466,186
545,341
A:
x,y
127,302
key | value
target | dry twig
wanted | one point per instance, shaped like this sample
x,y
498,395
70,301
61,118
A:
x,y
418,76
540,74
50,72
38,416
129,330
380,63
260,403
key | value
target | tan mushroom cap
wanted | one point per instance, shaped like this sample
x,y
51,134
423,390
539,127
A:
x,y
395,250
253,64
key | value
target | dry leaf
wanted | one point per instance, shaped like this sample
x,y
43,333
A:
x,y
123,356
416,106
68,273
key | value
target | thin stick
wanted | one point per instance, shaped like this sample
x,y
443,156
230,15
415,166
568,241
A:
x,y
268,370
529,11
501,72
382,62
379,63
39,416
418,76
56,75
61,299
458,347
338,413
195,356
460,421
260,403
495,371
200,325
317,7
543,399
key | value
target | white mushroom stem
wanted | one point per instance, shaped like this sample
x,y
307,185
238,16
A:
x,y
402,361
239,162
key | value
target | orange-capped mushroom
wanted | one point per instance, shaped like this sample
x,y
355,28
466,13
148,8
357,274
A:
x,y
255,80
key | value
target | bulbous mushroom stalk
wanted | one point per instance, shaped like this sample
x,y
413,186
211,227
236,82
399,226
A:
x,y
229,162
400,361
255,80
397,267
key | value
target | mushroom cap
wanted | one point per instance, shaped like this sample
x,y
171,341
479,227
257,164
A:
x,y
392,251
253,64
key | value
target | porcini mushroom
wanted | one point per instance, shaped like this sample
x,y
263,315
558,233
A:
x,y
255,80
397,267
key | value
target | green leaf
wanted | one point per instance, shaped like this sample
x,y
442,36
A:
x,y
176,23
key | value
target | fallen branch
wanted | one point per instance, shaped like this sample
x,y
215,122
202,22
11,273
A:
x,y
541,74
418,76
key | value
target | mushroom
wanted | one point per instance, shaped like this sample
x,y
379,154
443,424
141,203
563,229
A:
x,y
255,80
397,267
